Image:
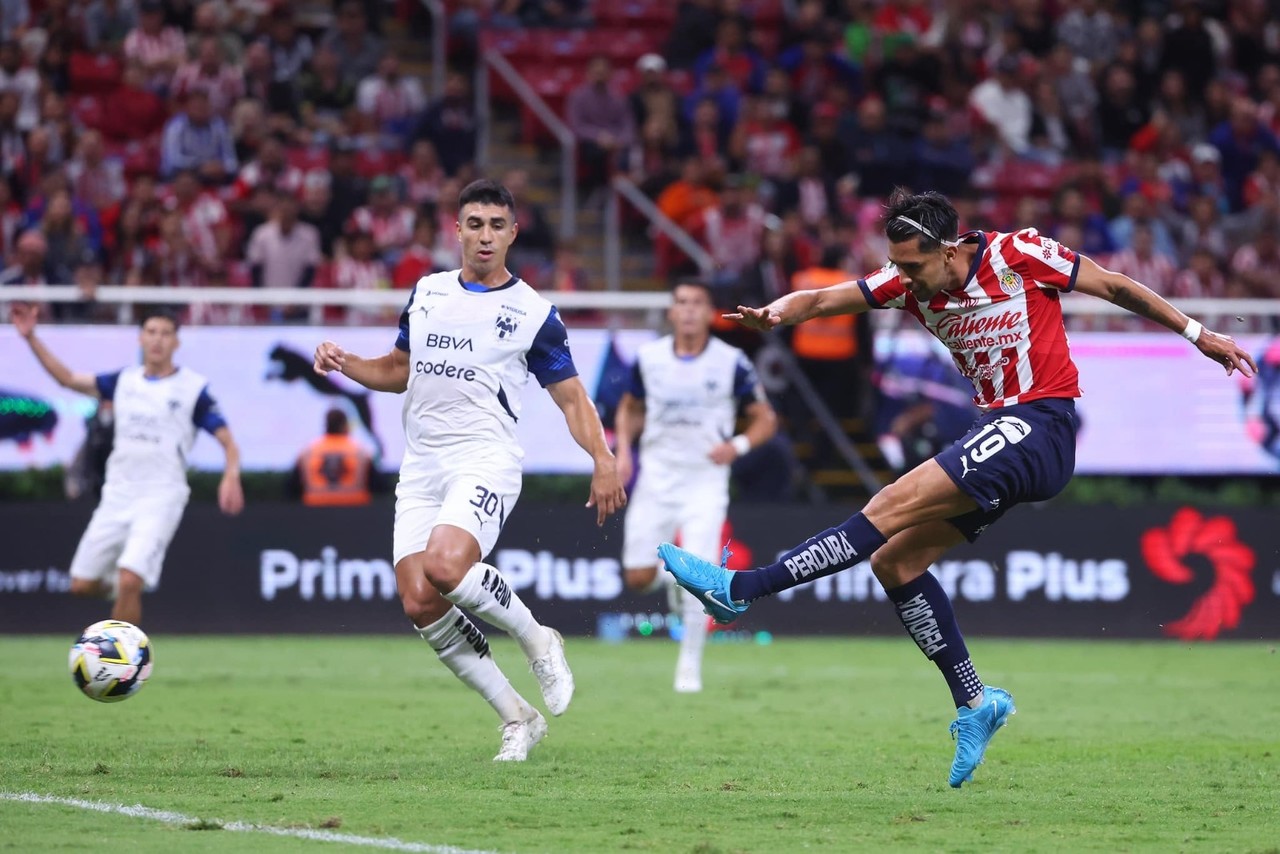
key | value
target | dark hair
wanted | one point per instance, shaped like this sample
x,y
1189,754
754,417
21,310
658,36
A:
x,y
695,283
486,192
161,311
335,422
934,218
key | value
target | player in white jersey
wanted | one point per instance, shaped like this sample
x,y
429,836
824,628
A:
x,y
157,409
468,341
686,391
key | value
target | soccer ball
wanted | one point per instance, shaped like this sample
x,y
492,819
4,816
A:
x,y
111,661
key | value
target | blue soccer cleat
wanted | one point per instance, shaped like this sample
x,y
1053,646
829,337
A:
x,y
973,730
708,582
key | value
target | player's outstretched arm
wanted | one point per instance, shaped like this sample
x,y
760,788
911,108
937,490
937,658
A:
x,y
799,306
24,316
1136,297
230,493
627,426
385,373
607,494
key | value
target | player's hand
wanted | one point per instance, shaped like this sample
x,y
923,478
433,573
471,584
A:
x,y
23,315
230,495
1224,350
763,319
607,494
723,454
329,357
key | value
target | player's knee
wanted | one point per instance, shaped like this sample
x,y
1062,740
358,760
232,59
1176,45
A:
x,y
129,584
445,566
893,570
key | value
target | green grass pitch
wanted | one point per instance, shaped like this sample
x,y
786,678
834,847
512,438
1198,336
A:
x,y
802,745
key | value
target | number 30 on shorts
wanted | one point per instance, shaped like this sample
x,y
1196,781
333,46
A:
x,y
486,501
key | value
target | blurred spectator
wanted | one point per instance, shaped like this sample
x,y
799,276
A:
x,y
13,146
535,241
174,262
211,20
1076,91
1142,263
159,48
358,50
685,199
1175,103
655,106
270,169
1071,211
807,191
708,132
879,156
1006,109
764,143
28,267
815,68
325,94
1121,110
1255,267
732,54
420,259
15,15
827,346
1090,31
66,248
135,112
317,210
361,270
291,51
450,124
602,121
1262,187
422,176
1202,229
97,180
824,135
769,277
693,33
108,23
1241,141
334,470
942,162
719,87
390,99
386,219
278,97
347,189
11,218
221,80
1201,278
283,252
22,81
1139,211
197,139
732,230
130,257
204,221
1189,49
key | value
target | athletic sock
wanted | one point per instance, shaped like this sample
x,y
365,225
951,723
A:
x,y
925,611
484,592
835,549
694,622
463,648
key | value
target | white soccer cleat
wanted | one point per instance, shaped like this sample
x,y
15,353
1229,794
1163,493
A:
x,y
554,676
519,737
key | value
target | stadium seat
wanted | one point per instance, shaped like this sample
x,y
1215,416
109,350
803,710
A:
x,y
90,73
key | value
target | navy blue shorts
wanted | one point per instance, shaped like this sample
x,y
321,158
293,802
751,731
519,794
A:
x,y
1024,452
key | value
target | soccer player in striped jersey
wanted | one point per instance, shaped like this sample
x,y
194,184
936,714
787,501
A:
x,y
994,300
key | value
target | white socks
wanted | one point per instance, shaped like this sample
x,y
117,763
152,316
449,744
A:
x,y
694,620
484,592
463,648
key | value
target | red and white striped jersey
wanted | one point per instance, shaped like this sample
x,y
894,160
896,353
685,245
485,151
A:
x,y
1003,326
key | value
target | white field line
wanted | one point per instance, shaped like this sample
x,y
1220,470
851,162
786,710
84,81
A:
x,y
138,811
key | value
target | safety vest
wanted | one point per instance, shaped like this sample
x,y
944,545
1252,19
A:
x,y
335,473
823,338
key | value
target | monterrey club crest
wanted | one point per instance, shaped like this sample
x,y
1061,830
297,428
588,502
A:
x,y
506,325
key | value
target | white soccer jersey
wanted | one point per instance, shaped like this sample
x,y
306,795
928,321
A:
x,y
156,419
471,350
691,404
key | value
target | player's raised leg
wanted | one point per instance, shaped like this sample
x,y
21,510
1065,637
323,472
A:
x,y
926,493
462,647
902,565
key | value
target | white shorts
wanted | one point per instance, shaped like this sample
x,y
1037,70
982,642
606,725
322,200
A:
x,y
478,502
656,516
131,534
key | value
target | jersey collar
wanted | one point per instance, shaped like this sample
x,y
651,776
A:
x,y
477,288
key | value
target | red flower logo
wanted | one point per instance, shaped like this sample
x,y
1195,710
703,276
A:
x,y
1189,533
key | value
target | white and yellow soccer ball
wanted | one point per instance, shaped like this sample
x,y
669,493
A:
x,y
111,661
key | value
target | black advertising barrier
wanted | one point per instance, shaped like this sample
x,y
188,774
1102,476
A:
x,y
1053,571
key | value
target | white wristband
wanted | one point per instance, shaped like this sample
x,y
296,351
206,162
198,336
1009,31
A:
x,y
741,444
1192,332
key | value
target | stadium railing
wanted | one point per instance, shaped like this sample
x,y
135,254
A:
x,y
495,62
439,43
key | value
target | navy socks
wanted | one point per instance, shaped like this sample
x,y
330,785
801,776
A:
x,y
925,611
835,549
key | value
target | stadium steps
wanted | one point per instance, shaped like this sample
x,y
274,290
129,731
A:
x,y
826,469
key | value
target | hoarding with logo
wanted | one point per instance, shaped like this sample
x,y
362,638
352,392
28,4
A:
x,y
1082,572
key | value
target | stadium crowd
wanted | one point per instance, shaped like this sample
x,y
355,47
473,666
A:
x,y
248,142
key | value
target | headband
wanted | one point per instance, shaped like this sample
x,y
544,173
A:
x,y
926,231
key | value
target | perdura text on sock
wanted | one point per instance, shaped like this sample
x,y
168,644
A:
x,y
917,616
832,549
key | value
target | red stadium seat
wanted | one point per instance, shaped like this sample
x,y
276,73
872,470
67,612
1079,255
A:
x,y
93,73
371,163
308,159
